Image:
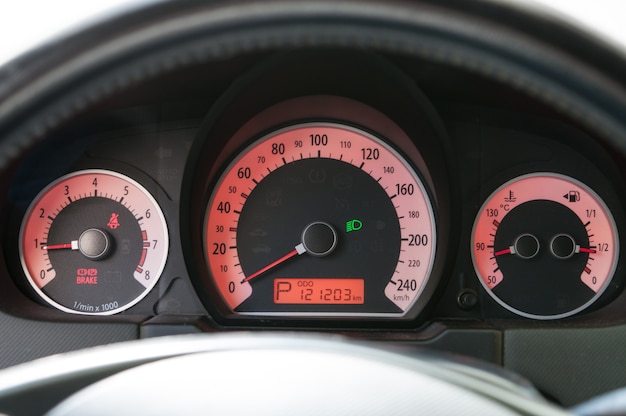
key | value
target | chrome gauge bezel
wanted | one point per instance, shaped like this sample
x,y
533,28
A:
x,y
316,126
615,242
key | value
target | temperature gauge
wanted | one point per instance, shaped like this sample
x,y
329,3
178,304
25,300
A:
x,y
545,246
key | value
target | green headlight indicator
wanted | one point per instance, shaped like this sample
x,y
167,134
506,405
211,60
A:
x,y
353,225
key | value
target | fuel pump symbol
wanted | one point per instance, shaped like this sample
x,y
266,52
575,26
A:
x,y
572,196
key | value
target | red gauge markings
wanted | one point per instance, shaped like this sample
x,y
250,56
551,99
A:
x,y
536,262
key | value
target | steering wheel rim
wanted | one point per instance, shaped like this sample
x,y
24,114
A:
x,y
106,378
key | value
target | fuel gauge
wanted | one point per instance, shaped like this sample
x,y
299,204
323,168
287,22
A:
x,y
545,246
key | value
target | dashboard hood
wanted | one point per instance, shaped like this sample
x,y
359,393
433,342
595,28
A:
x,y
447,175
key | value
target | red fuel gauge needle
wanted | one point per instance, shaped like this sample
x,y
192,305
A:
x,y
72,246
298,250
580,249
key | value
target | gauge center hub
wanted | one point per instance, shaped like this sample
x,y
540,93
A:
x,y
94,244
563,246
319,239
526,246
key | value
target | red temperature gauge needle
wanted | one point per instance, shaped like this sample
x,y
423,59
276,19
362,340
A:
x,y
509,250
73,246
295,252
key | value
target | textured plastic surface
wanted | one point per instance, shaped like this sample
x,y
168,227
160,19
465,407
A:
x,y
571,365
25,340
462,43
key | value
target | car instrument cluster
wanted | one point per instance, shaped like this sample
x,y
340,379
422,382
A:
x,y
308,206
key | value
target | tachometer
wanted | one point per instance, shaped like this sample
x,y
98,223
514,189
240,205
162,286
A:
x,y
320,219
545,246
93,242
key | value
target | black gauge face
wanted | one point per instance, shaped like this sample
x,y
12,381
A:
x,y
101,257
546,261
545,246
319,220
281,213
93,242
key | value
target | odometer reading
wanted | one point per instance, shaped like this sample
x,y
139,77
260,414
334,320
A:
x,y
322,203
318,291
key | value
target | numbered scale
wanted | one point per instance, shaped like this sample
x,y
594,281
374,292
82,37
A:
x,y
319,219
545,246
93,242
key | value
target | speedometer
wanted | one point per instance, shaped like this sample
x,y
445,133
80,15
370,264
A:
x,y
319,219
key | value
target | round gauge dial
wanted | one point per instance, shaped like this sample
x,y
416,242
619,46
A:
x,y
93,242
320,219
545,246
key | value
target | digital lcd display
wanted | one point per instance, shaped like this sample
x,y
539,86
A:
x,y
295,291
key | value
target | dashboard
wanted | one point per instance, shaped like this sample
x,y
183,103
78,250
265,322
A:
x,y
205,186
364,191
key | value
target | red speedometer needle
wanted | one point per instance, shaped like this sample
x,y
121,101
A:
x,y
295,252
73,246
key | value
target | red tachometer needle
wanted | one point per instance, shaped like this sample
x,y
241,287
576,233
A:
x,y
72,246
296,251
